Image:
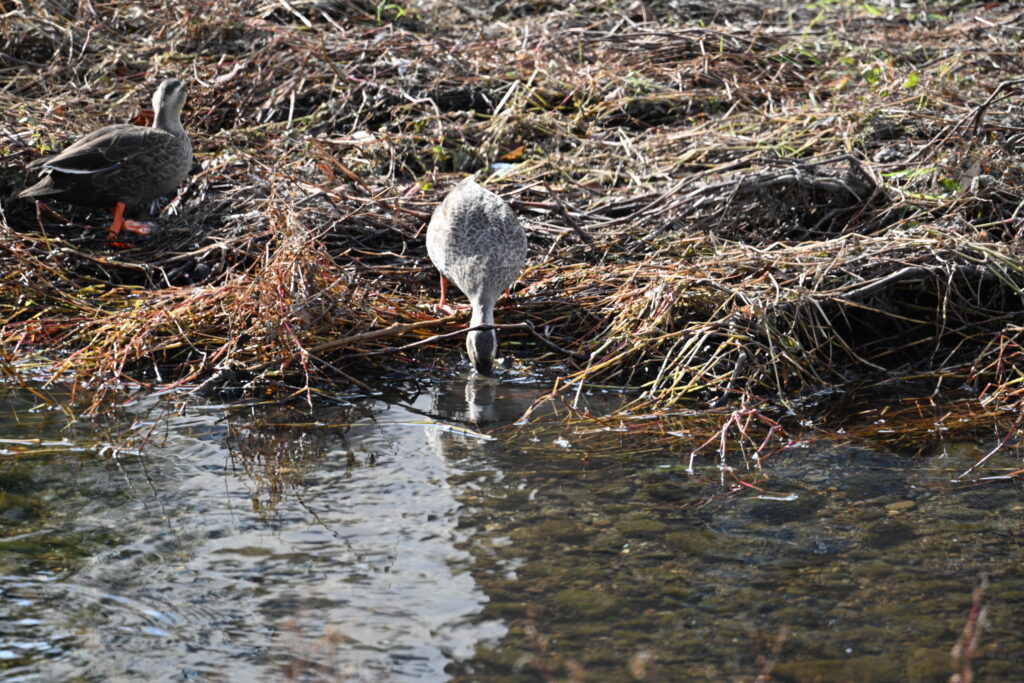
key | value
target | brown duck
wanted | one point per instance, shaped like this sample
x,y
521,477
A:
x,y
122,164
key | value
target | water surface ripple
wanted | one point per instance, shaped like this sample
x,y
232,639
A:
x,y
366,542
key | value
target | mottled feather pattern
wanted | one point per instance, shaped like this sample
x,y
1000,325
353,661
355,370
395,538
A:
x,y
476,241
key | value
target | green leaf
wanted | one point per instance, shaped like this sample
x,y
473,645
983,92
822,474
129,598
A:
x,y
382,7
911,81
871,75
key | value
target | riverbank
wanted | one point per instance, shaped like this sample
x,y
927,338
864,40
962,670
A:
x,y
758,206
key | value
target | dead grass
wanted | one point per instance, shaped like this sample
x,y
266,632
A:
x,y
771,202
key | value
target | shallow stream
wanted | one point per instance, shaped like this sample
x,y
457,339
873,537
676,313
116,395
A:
x,y
426,538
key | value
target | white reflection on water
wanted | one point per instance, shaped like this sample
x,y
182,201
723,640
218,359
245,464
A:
x,y
350,569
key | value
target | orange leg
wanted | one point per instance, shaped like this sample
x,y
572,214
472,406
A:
x,y
115,228
121,223
443,306
444,293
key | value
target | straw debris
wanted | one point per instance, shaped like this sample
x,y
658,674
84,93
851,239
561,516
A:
x,y
758,201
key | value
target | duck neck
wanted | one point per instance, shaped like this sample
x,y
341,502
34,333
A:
x,y
482,344
482,315
169,120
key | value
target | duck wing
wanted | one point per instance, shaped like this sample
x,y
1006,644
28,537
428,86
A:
x,y
106,149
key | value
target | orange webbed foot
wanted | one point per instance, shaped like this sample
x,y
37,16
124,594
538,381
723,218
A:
x,y
137,227
448,309
134,230
114,238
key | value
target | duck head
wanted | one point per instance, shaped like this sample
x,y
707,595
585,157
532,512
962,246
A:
x,y
482,345
168,100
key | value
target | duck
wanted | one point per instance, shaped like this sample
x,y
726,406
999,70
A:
x,y
121,165
475,241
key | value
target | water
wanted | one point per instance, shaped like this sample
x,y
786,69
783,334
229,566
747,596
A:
x,y
365,542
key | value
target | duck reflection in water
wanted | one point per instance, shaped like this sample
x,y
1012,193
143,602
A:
x,y
479,401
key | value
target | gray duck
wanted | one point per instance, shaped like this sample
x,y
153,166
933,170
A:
x,y
122,164
475,240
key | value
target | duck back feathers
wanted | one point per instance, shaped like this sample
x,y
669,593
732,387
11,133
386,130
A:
x,y
476,241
